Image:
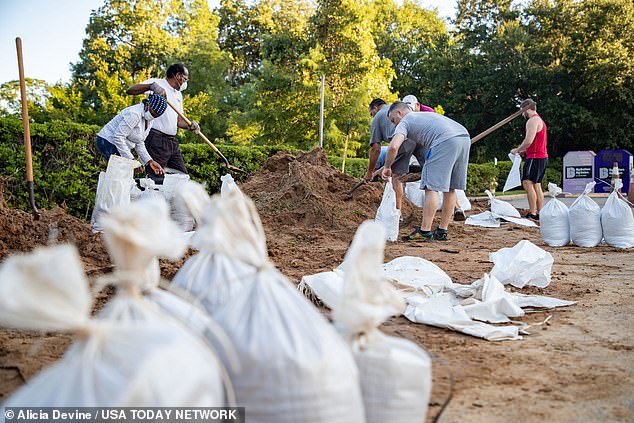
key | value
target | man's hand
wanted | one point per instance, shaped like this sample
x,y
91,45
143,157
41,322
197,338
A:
x,y
387,173
514,151
194,127
157,89
156,168
375,174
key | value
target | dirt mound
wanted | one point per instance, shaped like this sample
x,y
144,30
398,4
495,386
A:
x,y
305,190
21,232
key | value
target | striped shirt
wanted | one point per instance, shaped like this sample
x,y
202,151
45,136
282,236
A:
x,y
127,131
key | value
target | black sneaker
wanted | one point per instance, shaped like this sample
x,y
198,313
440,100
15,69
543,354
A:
x,y
441,235
459,216
532,216
418,235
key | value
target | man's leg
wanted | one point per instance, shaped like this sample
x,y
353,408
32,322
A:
x,y
176,160
539,194
430,206
529,186
159,150
398,189
448,205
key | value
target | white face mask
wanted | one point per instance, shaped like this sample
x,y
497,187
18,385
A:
x,y
148,116
183,86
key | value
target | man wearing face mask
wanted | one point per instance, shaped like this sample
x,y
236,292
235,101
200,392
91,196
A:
x,y
129,129
161,141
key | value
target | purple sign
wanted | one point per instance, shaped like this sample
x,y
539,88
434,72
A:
x,y
578,170
604,163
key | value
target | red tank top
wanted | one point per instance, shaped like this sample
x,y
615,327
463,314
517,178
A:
x,y
537,150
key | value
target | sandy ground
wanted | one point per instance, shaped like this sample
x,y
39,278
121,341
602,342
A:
x,y
578,368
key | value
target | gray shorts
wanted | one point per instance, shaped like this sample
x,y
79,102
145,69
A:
x,y
405,151
445,165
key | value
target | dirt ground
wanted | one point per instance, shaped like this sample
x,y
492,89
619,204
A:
x,y
578,368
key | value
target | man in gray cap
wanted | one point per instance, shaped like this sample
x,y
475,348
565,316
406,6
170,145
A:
x,y
445,146
127,131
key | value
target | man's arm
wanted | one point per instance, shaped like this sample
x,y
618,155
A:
x,y
142,88
531,130
375,152
392,150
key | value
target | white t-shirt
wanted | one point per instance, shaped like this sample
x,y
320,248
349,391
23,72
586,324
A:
x,y
127,131
167,123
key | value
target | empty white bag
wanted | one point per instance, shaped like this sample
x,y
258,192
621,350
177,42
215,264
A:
x,y
524,264
294,365
500,207
513,179
554,222
585,220
617,220
111,363
387,214
173,183
395,373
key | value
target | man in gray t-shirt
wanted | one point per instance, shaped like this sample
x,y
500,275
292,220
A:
x,y
445,145
382,129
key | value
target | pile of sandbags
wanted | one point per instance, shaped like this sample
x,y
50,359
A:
x,y
294,366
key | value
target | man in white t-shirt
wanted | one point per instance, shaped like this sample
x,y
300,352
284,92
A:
x,y
161,142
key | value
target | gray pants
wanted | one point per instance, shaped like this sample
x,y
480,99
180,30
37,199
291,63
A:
x,y
446,164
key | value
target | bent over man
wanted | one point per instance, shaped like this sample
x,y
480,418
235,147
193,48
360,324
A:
x,y
445,145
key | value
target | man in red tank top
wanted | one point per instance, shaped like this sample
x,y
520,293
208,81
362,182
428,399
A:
x,y
534,145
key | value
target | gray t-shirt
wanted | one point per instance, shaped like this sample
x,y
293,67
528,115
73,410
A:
x,y
429,129
381,129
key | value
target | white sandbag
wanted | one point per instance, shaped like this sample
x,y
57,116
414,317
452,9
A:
x,y
585,220
500,207
173,183
387,214
194,198
395,373
523,264
417,195
295,366
150,189
228,185
110,363
113,188
617,220
513,179
554,221
463,201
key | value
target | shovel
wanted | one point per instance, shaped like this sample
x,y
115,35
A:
x,y
500,123
209,143
27,131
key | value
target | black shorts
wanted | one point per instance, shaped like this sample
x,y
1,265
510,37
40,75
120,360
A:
x,y
534,170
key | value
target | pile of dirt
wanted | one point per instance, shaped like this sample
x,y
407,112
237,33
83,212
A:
x,y
306,191
21,232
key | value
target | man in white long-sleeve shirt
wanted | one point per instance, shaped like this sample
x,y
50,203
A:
x,y
128,130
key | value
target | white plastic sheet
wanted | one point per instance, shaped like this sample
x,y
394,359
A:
x,y
523,264
387,214
294,365
113,188
417,196
585,220
554,221
617,220
395,373
489,219
513,179
110,363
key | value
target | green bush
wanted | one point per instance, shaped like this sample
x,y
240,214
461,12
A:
x,y
355,167
479,177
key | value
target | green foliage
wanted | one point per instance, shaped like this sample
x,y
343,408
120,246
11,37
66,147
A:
x,y
479,177
354,166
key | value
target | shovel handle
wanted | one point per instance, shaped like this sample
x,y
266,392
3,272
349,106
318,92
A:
x,y
200,134
500,124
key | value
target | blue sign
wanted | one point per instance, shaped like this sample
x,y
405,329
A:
x,y
604,163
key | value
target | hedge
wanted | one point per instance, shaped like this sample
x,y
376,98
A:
x,y
66,165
